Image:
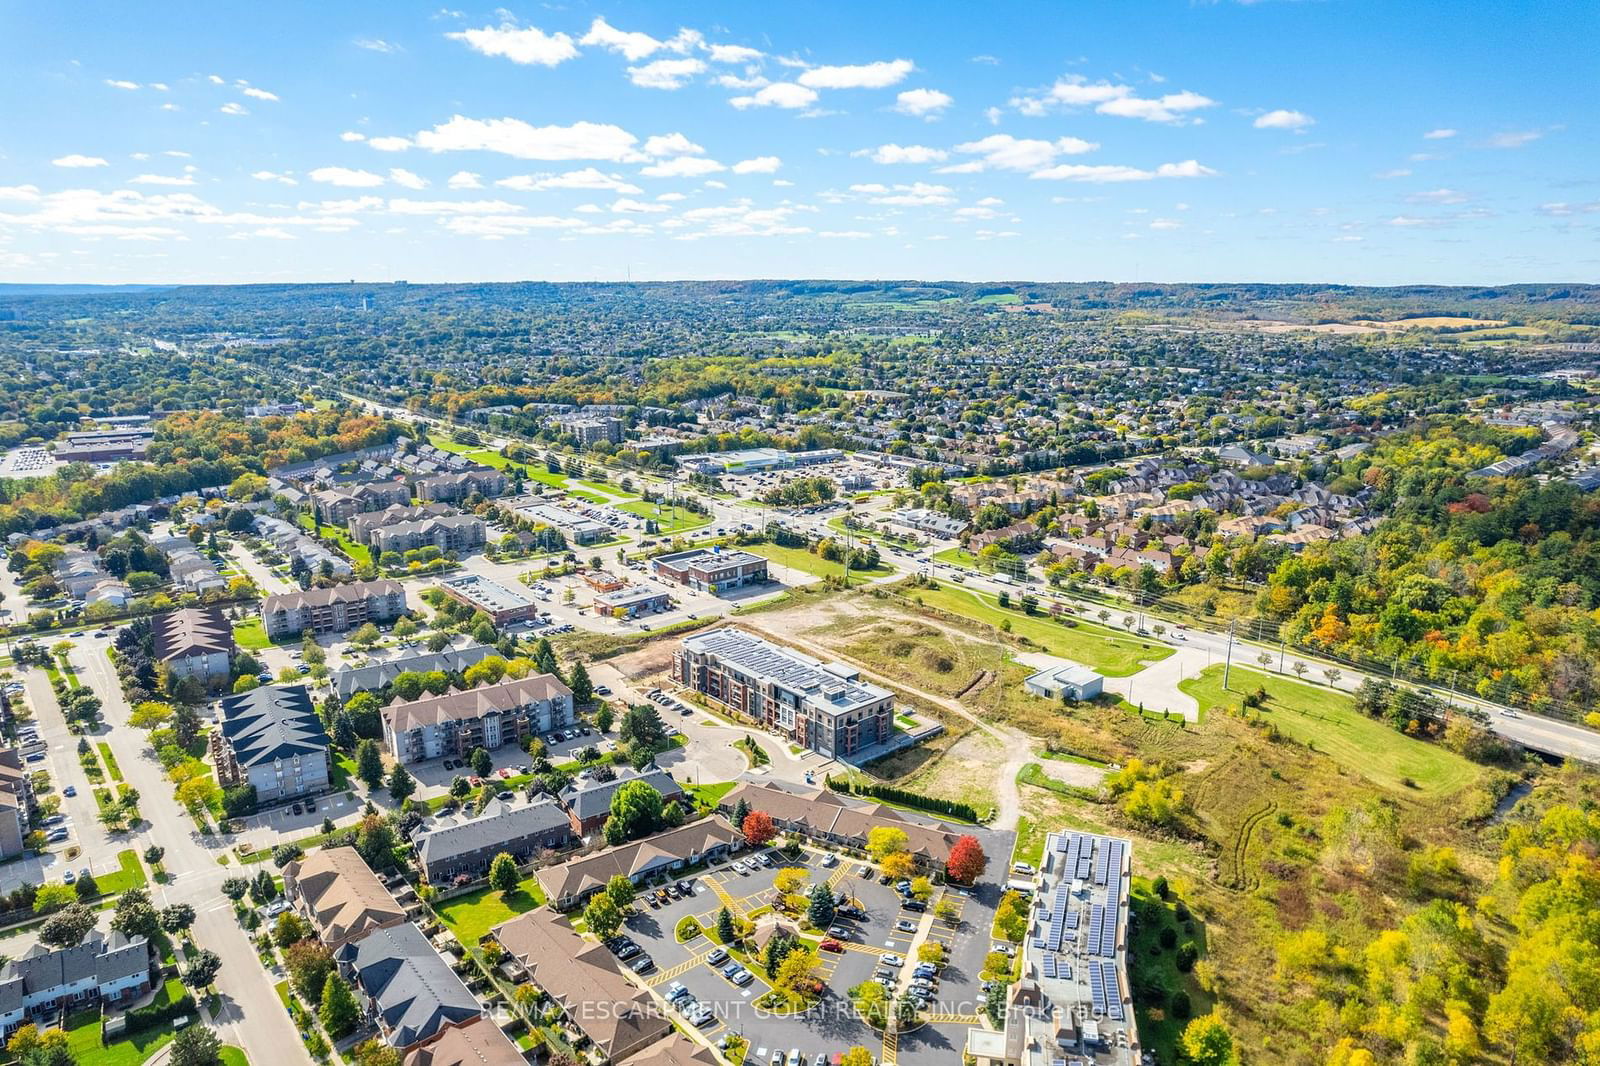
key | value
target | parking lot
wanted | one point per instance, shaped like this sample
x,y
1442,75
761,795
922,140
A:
x,y
868,945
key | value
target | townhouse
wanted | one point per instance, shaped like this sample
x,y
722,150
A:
x,y
827,816
336,891
43,982
460,847
569,884
587,801
16,803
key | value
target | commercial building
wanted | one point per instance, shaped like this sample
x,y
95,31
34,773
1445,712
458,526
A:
x,y
194,642
44,982
375,673
569,884
1073,1002
1069,681
630,601
587,802
335,507
336,891
362,525
925,520
16,803
271,737
582,975
711,570
826,816
754,460
462,846
104,446
577,528
821,706
484,717
502,604
412,995
453,488
332,610
449,533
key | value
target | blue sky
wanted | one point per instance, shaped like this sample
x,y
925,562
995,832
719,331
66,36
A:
x,y
1325,140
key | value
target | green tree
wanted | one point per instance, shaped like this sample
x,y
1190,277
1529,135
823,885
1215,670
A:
x,y
820,912
67,927
482,764
503,875
195,1045
309,964
621,891
603,718
582,688
401,784
134,915
339,1012
201,970
636,811
1207,1042
177,917
602,916
369,765
725,928
375,1052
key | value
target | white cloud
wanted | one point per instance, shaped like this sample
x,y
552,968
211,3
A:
x,y
1107,98
464,179
633,46
1441,134
495,227
879,75
233,107
24,192
215,79
1165,224
346,178
389,144
779,94
1412,221
260,94
1437,196
159,86
1282,119
407,179
890,154
352,137
671,144
161,179
1002,151
452,207
1560,209
527,45
78,161
376,44
1514,138
637,207
918,194
116,83
514,137
1108,173
683,166
761,164
587,178
922,103
666,73
733,53
1388,175
733,81
844,234
268,175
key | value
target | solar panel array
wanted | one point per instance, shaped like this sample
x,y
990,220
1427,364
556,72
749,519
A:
x,y
1097,989
1112,989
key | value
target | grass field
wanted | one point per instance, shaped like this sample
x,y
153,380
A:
x,y
665,521
131,875
1328,722
110,761
250,635
232,1056
805,562
712,794
83,1035
474,914
1105,650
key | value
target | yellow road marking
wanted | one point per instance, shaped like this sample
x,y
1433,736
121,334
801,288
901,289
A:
x,y
891,1049
958,1019
677,971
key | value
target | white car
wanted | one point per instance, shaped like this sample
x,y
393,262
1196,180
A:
x,y
892,960
795,1058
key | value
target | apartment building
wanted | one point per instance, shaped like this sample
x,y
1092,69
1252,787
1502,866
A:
x,y
332,610
362,525
484,717
825,707
450,533
271,737
453,488
336,891
335,507
195,642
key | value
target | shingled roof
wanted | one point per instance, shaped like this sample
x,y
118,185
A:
x,y
271,722
417,993
344,896
191,631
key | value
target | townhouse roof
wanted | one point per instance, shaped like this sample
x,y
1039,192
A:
x,y
478,1043
500,823
589,798
417,994
376,673
346,899
830,814
591,872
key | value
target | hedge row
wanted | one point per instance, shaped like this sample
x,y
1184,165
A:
x,y
932,804
142,1018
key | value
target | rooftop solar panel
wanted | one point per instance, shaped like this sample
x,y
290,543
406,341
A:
x,y
1113,990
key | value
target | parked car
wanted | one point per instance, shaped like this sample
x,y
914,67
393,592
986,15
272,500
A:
x,y
830,860
831,944
602,690
717,956
913,905
70,790
906,925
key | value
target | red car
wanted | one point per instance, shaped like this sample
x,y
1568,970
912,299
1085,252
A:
x,y
474,780
831,944
504,773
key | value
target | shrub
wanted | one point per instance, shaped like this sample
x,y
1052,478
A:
x,y
1188,955
1180,1005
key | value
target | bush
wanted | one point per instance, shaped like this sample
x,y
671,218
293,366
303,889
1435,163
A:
x,y
1180,1005
1188,954
916,800
142,1018
688,928
239,801
1168,938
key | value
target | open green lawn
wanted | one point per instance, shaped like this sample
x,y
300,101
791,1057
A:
x,y
665,521
1328,721
250,635
957,557
472,915
131,875
1104,650
110,760
804,561
83,1038
232,1056
712,794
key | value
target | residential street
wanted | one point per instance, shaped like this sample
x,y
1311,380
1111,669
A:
x,y
251,1015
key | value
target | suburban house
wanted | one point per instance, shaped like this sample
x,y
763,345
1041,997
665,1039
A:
x,y
332,610
1068,681
824,815
484,717
477,1043
16,803
714,570
105,968
579,974
821,706
271,737
337,892
588,801
461,845
409,992
453,658
568,884
194,642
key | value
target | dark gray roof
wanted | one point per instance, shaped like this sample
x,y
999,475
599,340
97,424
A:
x,y
105,957
271,722
586,799
500,823
416,992
348,680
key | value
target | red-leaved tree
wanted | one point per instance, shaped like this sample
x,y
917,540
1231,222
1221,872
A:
x,y
967,861
758,828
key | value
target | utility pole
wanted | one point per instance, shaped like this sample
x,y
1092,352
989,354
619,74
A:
x,y
1282,644
1227,667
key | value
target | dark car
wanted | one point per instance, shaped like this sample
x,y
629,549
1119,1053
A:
x,y
914,905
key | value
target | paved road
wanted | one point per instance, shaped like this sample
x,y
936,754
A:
x,y
251,1016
